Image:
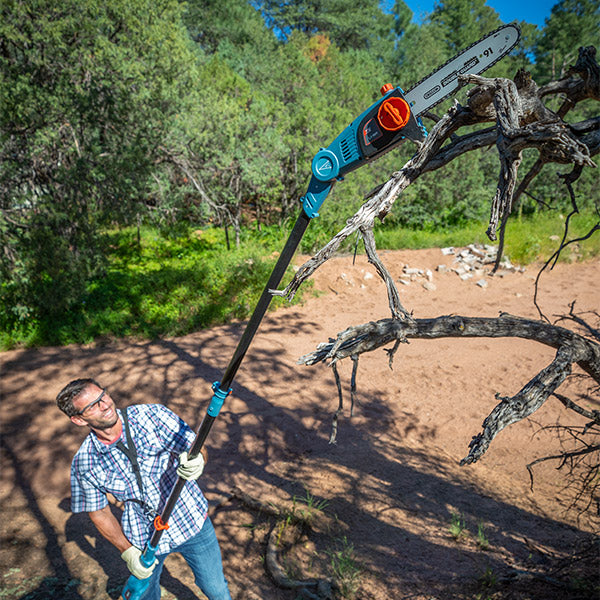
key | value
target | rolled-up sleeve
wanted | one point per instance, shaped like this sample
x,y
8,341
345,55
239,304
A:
x,y
85,496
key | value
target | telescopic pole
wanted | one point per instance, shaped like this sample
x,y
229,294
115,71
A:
x,y
222,389
134,588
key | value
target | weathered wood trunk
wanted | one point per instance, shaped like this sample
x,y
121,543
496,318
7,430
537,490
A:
x,y
521,120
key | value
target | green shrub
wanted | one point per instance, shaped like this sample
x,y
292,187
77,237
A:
x,y
166,286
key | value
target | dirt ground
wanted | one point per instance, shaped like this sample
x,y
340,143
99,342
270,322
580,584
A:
x,y
392,484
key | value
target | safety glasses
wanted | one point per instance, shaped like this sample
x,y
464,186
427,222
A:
x,y
91,405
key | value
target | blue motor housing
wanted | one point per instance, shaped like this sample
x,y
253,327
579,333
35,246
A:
x,y
368,137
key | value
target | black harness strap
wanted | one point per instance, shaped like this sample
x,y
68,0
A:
x,y
130,452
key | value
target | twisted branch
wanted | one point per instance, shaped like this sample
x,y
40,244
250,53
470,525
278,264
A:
x,y
520,121
572,348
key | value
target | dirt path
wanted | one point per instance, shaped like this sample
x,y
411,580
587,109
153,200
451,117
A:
x,y
392,481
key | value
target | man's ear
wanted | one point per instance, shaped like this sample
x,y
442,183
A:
x,y
78,421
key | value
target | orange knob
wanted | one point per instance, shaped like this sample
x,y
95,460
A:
x,y
159,524
385,88
393,113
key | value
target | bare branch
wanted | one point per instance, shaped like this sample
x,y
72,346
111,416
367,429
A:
x,y
183,165
593,415
581,458
506,105
571,348
11,221
554,257
524,403
398,311
521,121
576,89
338,383
594,332
368,337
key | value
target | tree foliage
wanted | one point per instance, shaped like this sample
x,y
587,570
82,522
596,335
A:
x,y
463,21
89,90
179,114
350,25
569,20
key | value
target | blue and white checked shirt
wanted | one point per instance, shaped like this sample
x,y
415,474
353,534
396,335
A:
x,y
159,436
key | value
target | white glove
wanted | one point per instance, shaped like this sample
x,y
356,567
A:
x,y
132,557
190,469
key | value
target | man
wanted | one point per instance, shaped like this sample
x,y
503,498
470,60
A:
x,y
136,455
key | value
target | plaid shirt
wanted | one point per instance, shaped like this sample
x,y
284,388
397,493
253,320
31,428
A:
x,y
159,436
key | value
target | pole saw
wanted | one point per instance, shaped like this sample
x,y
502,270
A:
x,y
383,126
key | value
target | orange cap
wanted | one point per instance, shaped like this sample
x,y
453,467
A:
x,y
393,113
385,88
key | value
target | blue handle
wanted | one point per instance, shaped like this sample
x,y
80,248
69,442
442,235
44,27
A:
x,y
315,196
134,588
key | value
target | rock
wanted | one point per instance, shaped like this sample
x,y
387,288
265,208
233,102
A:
x,y
430,286
447,251
404,281
441,268
480,252
482,283
368,275
465,276
477,256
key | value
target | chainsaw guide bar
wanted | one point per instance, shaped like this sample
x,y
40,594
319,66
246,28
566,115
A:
x,y
478,57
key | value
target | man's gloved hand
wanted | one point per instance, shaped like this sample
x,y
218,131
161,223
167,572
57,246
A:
x,y
190,469
132,557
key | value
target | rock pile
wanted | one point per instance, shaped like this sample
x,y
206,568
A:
x,y
473,262
413,274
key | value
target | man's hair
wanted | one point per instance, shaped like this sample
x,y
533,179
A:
x,y
65,397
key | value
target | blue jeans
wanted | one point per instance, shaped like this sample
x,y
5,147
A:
x,y
203,555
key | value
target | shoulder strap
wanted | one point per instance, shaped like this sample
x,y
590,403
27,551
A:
x,y
131,453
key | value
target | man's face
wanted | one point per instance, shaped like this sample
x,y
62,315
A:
x,y
99,411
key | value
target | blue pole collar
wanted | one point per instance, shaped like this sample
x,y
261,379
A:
x,y
218,399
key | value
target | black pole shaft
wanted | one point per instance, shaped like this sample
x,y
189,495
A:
x,y
263,303
234,364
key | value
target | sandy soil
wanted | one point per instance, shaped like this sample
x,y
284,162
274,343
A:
x,y
392,482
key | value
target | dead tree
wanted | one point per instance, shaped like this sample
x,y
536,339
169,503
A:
x,y
520,120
